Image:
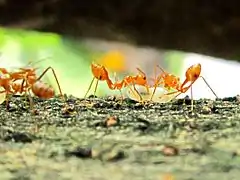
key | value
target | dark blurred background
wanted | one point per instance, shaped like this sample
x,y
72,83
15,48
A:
x,y
201,26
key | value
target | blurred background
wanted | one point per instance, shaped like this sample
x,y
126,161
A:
x,y
71,59
123,35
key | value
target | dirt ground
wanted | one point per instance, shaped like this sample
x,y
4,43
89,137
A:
x,y
106,139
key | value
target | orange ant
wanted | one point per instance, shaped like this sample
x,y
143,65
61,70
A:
x,y
171,81
6,79
25,80
139,79
30,82
101,74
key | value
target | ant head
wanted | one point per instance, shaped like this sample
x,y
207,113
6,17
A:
x,y
99,72
141,77
193,72
141,80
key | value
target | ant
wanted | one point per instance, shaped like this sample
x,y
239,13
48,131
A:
x,y
30,82
139,79
6,80
101,74
171,81
24,80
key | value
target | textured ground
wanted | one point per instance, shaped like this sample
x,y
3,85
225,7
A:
x,y
105,139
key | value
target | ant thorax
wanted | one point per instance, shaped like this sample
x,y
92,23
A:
x,y
172,82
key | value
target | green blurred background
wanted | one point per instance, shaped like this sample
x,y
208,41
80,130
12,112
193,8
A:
x,y
71,58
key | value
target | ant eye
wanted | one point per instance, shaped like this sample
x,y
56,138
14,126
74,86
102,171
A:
x,y
196,75
144,78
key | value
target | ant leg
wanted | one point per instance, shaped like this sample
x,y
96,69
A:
x,y
143,74
191,99
7,102
155,88
134,93
22,85
95,89
134,87
30,100
115,78
121,95
89,87
155,82
171,93
209,86
157,79
6,99
124,83
58,84
158,82
27,93
55,76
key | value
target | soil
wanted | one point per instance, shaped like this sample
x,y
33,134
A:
x,y
106,138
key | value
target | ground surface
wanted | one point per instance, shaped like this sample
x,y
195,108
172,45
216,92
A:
x,y
104,139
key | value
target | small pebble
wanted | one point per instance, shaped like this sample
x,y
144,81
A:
x,y
170,150
80,152
206,110
111,121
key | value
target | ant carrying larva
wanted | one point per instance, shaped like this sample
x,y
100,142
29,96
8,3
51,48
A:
x,y
166,82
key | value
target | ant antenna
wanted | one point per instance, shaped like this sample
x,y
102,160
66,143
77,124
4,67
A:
x,y
159,67
139,70
33,62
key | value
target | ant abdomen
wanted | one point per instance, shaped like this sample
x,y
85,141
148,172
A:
x,y
42,90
